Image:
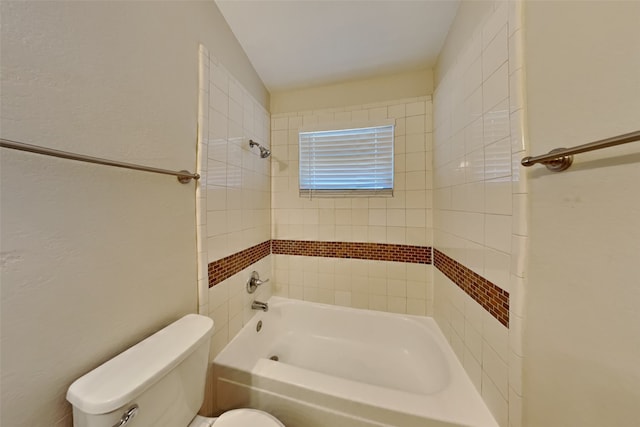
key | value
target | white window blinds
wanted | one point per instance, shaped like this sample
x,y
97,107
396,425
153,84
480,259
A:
x,y
347,161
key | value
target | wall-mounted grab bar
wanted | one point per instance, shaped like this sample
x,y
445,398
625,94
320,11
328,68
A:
x,y
561,158
183,176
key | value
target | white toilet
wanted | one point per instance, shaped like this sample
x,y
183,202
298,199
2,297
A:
x,y
156,383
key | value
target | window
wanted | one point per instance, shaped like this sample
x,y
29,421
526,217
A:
x,y
347,162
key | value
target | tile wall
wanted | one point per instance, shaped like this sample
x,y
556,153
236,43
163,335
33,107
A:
x,y
233,199
480,198
404,219
492,298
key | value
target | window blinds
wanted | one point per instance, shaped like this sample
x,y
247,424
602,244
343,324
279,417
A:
x,y
347,161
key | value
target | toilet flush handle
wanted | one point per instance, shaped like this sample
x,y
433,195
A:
x,y
127,416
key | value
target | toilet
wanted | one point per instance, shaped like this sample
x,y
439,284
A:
x,y
156,383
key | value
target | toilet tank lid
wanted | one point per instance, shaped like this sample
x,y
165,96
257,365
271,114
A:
x,y
123,378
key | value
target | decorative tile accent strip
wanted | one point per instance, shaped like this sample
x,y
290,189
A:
x,y
226,267
356,250
494,299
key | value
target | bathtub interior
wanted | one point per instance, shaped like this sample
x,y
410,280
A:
x,y
344,356
390,367
370,350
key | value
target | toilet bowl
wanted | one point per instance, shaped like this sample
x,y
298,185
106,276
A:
x,y
157,382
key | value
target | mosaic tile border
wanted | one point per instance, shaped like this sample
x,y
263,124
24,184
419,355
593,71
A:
x,y
491,297
354,250
228,266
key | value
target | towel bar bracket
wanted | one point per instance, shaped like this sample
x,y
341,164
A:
x,y
558,164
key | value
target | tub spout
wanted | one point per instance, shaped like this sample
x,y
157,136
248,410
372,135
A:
x,y
257,305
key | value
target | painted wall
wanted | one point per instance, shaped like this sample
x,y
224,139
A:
x,y
479,197
403,219
582,337
357,92
96,258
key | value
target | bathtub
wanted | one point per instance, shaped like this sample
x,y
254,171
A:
x,y
340,366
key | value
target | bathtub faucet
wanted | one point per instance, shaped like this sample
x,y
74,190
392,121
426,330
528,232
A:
x,y
257,305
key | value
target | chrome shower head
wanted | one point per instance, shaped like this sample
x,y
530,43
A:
x,y
264,152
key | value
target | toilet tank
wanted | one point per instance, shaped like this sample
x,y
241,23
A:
x,y
164,375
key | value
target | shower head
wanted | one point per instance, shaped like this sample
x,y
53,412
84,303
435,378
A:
x,y
264,152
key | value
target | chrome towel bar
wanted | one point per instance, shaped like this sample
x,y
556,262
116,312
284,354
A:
x,y
560,159
184,176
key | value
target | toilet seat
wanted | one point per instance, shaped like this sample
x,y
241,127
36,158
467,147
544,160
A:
x,y
247,417
199,421
238,418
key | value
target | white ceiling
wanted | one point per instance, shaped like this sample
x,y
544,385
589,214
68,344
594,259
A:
x,y
299,43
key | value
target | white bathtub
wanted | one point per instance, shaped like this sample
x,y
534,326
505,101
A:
x,y
346,367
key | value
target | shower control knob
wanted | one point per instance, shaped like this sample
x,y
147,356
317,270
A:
x,y
254,282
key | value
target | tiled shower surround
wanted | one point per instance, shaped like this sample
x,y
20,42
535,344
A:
x,y
492,298
341,250
232,196
404,219
480,199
